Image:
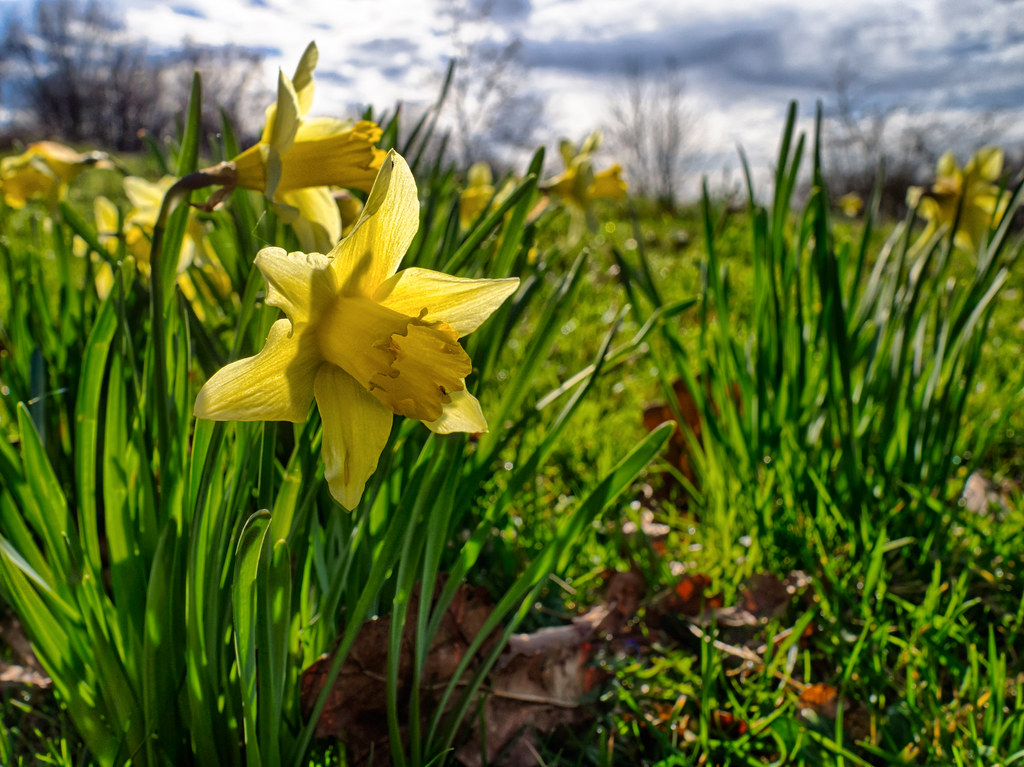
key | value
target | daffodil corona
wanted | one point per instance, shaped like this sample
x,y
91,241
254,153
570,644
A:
x,y
361,339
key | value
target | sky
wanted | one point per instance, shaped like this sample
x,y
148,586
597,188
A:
x,y
743,60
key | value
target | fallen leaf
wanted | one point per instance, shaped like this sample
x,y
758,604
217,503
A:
x,y
822,699
540,680
356,708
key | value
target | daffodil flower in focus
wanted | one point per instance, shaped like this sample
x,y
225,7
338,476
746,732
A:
x,y
361,339
298,158
972,191
43,171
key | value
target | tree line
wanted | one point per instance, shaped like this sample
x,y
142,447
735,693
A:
x,y
70,70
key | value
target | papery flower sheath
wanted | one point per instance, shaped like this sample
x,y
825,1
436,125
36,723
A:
x,y
361,339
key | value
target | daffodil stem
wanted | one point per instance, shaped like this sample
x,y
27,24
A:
x,y
220,174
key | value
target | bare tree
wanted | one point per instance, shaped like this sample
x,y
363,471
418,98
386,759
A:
x,y
489,108
80,76
652,128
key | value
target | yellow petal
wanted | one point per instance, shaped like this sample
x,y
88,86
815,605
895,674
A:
x,y
987,163
26,177
384,231
316,128
946,165
146,198
104,280
356,429
297,283
462,413
107,219
438,297
319,223
608,184
480,174
275,385
472,202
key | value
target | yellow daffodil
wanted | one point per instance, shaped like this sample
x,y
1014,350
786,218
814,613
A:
x,y
146,198
361,339
579,184
43,171
851,204
298,158
973,191
477,195
107,221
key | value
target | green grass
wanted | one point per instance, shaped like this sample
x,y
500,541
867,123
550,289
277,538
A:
x,y
871,378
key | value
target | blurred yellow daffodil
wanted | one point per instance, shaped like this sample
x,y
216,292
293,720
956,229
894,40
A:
x,y
146,198
851,204
972,191
107,222
477,195
43,171
361,339
579,184
298,158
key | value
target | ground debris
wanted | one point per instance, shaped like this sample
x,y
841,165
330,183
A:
x,y
536,685
26,672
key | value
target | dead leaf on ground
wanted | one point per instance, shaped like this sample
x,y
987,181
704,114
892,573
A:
x,y
536,685
689,599
356,708
679,449
26,672
983,495
539,682
764,596
822,699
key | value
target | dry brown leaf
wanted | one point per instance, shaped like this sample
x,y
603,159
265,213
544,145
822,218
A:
x,y
535,687
539,681
822,699
356,708
678,451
